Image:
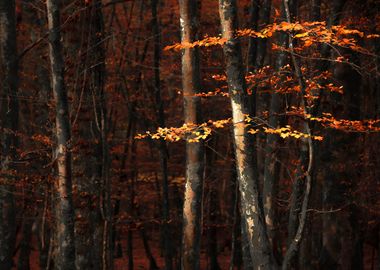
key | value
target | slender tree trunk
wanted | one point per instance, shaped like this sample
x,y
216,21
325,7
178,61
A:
x,y
44,231
162,145
297,218
252,207
264,19
192,208
213,206
8,127
38,226
147,249
253,24
97,81
331,187
131,202
271,163
64,212
85,157
25,244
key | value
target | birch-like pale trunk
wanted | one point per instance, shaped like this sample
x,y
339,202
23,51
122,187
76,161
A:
x,y
251,203
64,211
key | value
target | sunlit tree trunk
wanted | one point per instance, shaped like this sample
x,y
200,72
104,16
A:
x,y
8,127
192,208
251,203
64,212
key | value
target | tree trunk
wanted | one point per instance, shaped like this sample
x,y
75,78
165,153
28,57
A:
x,y
264,19
271,163
25,244
192,208
163,152
8,128
64,212
302,186
253,24
213,206
252,207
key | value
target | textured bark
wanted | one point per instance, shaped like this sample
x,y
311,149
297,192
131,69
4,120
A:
x,y
252,207
64,212
245,246
163,152
8,127
236,257
192,208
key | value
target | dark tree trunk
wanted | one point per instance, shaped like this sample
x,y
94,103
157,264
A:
x,y
251,201
253,24
192,208
8,128
272,147
332,189
64,212
264,19
97,82
211,180
25,245
303,181
163,152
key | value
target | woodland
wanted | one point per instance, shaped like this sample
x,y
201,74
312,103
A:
x,y
213,134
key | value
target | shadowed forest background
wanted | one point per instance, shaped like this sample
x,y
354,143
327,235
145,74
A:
x,y
189,134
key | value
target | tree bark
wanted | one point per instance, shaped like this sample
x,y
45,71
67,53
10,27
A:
x,y
192,208
8,128
64,211
252,207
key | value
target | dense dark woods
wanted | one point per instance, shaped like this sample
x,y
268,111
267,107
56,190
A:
x,y
189,134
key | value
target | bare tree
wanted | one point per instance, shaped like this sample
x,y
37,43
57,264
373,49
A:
x,y
251,203
163,151
64,212
192,208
